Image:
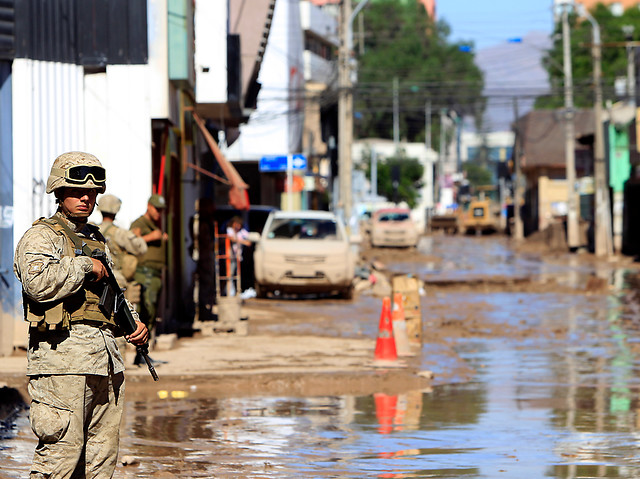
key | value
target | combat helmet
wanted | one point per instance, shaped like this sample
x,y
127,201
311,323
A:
x,y
76,169
109,204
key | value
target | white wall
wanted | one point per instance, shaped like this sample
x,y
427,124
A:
x,y
495,139
275,127
317,69
48,119
211,29
158,57
118,132
320,21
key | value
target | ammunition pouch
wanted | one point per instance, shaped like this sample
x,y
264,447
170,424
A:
x,y
107,301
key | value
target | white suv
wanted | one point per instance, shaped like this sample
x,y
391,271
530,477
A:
x,y
304,252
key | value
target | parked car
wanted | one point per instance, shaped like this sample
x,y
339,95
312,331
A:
x,y
393,227
304,252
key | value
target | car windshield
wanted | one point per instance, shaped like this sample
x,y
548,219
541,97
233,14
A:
x,y
303,228
393,217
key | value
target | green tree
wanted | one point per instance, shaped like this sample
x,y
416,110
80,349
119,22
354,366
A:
x,y
407,171
402,42
477,174
614,58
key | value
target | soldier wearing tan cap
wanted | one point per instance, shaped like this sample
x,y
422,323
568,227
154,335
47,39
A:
x,y
76,372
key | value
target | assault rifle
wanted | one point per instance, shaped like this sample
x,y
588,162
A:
x,y
112,300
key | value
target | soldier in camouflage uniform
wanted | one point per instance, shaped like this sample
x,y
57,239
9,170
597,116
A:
x,y
121,242
76,373
152,263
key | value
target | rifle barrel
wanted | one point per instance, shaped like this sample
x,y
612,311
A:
x,y
122,310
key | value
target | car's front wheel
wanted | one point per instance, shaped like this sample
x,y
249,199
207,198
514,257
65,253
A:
x,y
347,293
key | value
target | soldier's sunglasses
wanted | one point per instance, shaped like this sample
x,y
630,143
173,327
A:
x,y
80,174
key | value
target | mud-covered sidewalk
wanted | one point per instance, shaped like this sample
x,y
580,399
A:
x,y
263,361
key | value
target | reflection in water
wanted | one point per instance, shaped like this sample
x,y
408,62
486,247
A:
x,y
547,407
562,404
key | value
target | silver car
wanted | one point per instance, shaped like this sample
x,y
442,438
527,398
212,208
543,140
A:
x,y
304,252
393,227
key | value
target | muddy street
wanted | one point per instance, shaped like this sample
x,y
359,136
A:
x,y
534,368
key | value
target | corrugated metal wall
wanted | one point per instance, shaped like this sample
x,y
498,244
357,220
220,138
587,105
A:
x,y
57,108
48,119
84,32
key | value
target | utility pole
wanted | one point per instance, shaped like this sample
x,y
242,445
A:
x,y
573,240
345,116
441,160
361,35
631,64
427,125
374,173
396,114
518,230
345,109
603,241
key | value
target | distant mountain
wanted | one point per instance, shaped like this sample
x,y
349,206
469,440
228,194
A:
x,y
513,70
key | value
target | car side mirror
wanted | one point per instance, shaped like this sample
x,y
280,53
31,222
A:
x,y
253,236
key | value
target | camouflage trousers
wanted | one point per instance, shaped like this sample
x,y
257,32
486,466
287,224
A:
x,y
151,281
76,419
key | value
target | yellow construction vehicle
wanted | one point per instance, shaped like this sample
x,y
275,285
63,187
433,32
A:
x,y
481,216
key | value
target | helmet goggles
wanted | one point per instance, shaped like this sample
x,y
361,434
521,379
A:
x,y
80,174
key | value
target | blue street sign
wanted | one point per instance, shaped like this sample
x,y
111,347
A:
x,y
279,163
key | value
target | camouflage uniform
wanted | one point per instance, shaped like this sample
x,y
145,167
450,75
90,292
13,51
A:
x,y
150,267
120,240
75,369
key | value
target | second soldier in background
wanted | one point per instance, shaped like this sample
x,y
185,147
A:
x,y
151,265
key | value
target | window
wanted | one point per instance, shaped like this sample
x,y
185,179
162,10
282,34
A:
x,y
318,46
303,228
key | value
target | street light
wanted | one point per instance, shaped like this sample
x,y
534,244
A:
x,y
345,109
603,242
573,240
631,66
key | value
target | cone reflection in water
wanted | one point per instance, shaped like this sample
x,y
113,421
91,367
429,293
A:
x,y
385,411
400,326
386,344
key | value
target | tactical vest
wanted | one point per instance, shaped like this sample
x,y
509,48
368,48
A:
x,y
81,306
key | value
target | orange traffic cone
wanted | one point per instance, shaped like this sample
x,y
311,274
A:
x,y
400,326
385,345
385,411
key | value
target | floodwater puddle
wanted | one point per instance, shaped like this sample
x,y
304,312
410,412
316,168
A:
x,y
557,397
561,407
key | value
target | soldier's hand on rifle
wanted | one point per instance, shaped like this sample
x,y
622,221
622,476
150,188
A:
x,y
139,336
98,271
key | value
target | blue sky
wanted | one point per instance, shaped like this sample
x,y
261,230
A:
x,y
494,21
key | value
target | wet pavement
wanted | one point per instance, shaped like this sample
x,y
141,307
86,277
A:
x,y
560,402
